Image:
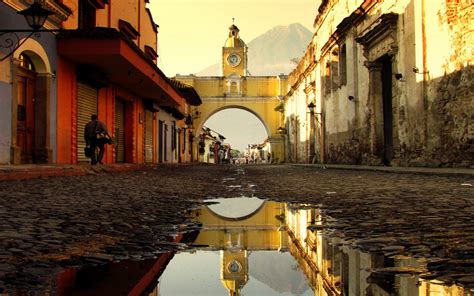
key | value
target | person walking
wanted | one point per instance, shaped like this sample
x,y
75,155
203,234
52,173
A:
x,y
96,136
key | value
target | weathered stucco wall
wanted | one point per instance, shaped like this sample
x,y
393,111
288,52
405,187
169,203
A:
x,y
393,83
5,122
451,88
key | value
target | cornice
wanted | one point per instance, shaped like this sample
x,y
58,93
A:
x,y
356,17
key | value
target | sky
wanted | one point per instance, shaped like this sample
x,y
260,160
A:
x,y
239,127
192,32
191,36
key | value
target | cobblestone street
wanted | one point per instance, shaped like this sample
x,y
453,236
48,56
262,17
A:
x,y
52,223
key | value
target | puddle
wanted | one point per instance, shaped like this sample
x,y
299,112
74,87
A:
x,y
250,246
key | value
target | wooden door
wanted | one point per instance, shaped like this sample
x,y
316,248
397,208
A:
x,y
26,114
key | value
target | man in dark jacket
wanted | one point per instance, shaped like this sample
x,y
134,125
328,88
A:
x,y
92,132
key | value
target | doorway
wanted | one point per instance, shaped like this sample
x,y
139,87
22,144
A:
x,y
387,154
119,131
160,141
26,111
148,136
86,106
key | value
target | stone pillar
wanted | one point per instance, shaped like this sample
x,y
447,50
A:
x,y
278,149
375,106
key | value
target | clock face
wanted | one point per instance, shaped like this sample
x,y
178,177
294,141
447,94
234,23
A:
x,y
233,59
234,266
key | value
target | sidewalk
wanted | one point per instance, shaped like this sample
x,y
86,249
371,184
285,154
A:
x,y
31,171
390,169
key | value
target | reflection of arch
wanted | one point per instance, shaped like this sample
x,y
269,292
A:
x,y
234,106
255,210
30,106
261,228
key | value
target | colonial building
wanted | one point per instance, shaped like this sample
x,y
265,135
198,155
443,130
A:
x,y
28,85
102,62
259,95
107,65
385,83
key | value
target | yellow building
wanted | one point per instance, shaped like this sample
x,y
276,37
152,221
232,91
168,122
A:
x,y
259,95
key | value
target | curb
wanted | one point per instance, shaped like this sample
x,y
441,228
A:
x,y
34,172
396,170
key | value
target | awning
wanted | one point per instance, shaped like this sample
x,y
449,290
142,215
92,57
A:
x,y
123,63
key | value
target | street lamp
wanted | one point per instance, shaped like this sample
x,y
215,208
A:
x,y
311,107
35,15
281,130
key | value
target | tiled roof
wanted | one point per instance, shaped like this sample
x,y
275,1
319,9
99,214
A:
x,y
188,91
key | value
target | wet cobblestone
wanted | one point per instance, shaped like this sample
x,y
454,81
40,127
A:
x,y
48,224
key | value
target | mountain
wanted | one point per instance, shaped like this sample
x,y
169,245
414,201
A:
x,y
271,53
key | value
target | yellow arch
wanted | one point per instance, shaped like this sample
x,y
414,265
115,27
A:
x,y
259,95
205,117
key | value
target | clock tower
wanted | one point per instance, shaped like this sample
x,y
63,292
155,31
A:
x,y
234,54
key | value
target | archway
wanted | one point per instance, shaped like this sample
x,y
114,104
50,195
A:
x,y
238,130
32,81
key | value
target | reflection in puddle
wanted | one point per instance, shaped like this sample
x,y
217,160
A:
x,y
248,246
245,245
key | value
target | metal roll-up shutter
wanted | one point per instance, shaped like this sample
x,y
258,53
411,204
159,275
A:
x,y
148,136
119,131
86,106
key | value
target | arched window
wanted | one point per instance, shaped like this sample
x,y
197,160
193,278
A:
x,y
26,62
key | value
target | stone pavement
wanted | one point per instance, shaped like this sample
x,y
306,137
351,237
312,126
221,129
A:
x,y
47,224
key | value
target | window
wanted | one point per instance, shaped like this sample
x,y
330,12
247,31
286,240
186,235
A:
x,y
334,69
86,15
26,62
343,65
128,30
326,79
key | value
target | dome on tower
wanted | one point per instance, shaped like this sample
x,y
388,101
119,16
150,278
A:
x,y
234,40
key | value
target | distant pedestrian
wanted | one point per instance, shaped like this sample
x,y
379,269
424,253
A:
x,y
96,136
